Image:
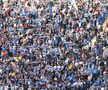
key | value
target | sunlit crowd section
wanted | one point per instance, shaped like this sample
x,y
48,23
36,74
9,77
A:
x,y
53,45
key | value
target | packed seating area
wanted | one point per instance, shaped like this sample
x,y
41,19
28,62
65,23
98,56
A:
x,y
53,45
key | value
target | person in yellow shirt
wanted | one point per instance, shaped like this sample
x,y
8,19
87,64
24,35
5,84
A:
x,y
20,58
70,66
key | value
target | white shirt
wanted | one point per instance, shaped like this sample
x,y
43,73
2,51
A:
x,y
6,88
37,1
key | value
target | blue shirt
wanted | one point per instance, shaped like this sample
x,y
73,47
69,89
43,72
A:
x,y
12,50
4,48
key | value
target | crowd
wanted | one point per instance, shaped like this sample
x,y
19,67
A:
x,y
48,45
